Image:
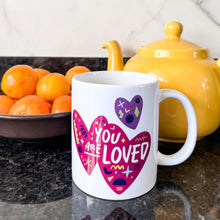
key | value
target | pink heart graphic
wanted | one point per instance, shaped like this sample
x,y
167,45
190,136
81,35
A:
x,y
120,159
85,143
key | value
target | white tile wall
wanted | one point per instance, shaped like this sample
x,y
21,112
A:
x,y
80,27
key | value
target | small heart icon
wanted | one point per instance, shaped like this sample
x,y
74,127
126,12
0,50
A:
x,y
129,113
121,159
85,143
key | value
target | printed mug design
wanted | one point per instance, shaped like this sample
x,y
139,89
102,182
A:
x,y
129,113
120,160
88,150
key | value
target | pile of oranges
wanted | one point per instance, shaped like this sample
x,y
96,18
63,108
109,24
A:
x,y
34,91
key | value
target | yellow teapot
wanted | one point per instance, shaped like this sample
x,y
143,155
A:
x,y
179,65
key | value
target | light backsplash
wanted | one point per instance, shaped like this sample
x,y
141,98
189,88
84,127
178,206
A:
x,y
78,28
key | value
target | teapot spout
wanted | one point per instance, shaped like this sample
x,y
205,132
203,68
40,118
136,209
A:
x,y
115,59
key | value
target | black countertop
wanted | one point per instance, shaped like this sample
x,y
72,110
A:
x,y
36,183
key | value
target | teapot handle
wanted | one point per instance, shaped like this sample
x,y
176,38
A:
x,y
217,66
218,63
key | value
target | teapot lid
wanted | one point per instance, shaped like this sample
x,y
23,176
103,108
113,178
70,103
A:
x,y
173,46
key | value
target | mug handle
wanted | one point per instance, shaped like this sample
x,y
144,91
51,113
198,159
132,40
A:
x,y
188,147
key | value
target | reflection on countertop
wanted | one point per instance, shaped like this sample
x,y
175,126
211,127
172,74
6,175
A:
x,y
87,207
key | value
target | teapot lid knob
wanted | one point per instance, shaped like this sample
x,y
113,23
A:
x,y
173,29
173,46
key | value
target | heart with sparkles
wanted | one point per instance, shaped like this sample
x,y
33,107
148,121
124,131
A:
x,y
129,113
121,159
85,143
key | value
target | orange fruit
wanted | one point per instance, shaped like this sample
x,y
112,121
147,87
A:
x,y
61,104
41,72
19,81
5,104
74,71
52,86
30,105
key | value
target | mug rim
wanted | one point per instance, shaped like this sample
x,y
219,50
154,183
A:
x,y
138,79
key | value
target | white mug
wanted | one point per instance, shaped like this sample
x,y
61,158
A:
x,y
115,133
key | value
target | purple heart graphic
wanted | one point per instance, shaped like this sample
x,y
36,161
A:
x,y
129,113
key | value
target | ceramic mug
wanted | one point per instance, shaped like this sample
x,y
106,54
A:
x,y
115,118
